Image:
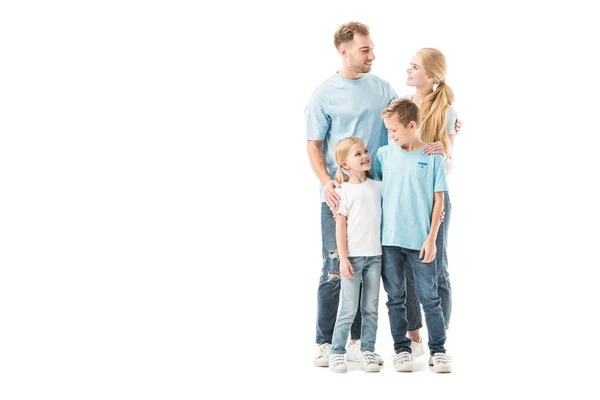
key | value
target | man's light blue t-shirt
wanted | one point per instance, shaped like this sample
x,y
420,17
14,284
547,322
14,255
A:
x,y
409,181
342,107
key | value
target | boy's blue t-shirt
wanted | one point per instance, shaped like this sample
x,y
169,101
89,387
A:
x,y
342,107
409,180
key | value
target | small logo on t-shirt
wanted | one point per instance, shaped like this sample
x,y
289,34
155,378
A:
x,y
422,163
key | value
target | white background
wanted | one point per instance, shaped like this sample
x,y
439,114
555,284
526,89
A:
x,y
160,222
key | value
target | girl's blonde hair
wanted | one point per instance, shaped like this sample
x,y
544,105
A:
x,y
435,105
341,150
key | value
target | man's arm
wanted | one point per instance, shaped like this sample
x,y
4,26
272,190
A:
x,y
317,162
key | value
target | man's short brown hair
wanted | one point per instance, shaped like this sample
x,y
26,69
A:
x,y
346,33
405,109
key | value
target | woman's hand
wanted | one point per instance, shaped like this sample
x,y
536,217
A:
x,y
457,126
435,148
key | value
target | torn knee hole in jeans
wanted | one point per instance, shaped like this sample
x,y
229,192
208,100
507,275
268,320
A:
x,y
333,275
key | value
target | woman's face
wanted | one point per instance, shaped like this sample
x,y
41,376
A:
x,y
417,77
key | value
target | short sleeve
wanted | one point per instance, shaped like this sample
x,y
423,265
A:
x,y
317,120
377,170
343,207
451,117
393,95
439,174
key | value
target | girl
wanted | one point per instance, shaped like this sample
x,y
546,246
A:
x,y
358,220
427,73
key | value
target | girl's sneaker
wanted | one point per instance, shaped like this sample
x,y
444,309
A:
x,y
353,353
403,362
337,363
441,363
368,362
322,357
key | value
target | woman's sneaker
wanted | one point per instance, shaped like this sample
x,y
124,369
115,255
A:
x,y
403,362
337,363
368,362
353,353
322,357
441,363
417,349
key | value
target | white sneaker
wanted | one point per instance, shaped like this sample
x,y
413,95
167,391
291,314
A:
x,y
417,349
322,357
403,362
441,363
368,362
337,363
354,354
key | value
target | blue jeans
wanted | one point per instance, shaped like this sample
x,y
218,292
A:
x,y
328,294
394,283
413,310
367,270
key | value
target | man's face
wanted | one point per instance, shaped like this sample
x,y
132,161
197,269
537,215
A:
x,y
358,54
397,132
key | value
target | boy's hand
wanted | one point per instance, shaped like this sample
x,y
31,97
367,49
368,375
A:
x,y
346,268
331,197
428,251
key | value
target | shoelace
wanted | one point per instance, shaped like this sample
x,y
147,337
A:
x,y
403,357
370,357
325,351
441,358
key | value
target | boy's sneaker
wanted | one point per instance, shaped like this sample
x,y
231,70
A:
x,y
441,363
354,354
322,357
417,349
337,363
403,362
368,362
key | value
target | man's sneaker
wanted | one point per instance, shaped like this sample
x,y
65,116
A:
x,y
417,349
403,362
337,363
368,362
354,354
441,362
322,357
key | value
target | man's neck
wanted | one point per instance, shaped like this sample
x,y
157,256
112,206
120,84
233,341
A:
x,y
349,74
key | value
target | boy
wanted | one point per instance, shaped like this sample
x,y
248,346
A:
x,y
412,189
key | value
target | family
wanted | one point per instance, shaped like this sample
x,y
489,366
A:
x,y
382,162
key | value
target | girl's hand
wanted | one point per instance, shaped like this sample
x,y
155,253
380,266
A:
x,y
428,251
346,268
435,148
457,126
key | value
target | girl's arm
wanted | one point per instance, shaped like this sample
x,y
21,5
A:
x,y
342,245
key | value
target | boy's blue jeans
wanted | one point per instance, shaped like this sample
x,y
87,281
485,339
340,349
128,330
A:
x,y
328,294
413,310
367,270
394,283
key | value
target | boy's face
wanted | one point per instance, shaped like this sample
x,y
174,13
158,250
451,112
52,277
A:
x,y
397,132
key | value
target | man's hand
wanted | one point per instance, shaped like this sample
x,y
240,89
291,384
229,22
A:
x,y
435,148
331,197
428,251
346,268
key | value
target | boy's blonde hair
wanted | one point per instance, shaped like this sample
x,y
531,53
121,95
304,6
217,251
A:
x,y
404,109
346,32
341,150
435,105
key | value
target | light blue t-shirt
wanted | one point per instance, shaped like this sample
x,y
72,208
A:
x,y
409,180
342,107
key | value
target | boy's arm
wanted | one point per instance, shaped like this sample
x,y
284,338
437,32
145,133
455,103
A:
x,y
428,251
341,235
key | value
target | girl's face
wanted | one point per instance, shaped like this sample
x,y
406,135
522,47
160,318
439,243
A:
x,y
417,77
358,158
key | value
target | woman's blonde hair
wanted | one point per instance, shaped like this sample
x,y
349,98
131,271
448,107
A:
x,y
435,106
341,150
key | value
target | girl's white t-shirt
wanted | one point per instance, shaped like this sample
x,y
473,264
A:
x,y
361,204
